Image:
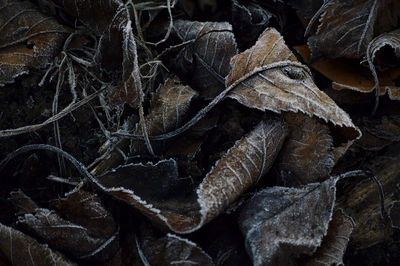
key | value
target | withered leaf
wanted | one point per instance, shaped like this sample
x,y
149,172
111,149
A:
x,y
172,249
81,227
307,155
29,39
335,242
204,61
168,107
269,77
347,27
349,74
280,224
16,248
391,39
238,170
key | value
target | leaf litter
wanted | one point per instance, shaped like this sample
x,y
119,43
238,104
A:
x,y
191,130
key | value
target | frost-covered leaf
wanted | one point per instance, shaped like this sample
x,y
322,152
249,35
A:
x,y
172,249
16,248
81,227
204,61
391,39
269,77
184,212
307,155
347,27
168,108
335,242
29,39
280,224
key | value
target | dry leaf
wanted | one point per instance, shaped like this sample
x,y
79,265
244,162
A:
x,y
168,109
391,39
307,155
280,224
238,170
347,27
269,77
29,39
204,61
335,242
349,74
81,228
172,249
17,248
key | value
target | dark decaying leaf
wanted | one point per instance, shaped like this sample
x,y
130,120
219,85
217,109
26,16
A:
x,y
29,39
172,249
335,242
204,62
96,15
249,20
269,77
22,203
379,132
394,214
238,170
307,155
81,227
16,248
347,27
280,224
306,7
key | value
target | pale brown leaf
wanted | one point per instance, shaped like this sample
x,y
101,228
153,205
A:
x,y
237,171
19,249
280,224
29,39
204,61
335,242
